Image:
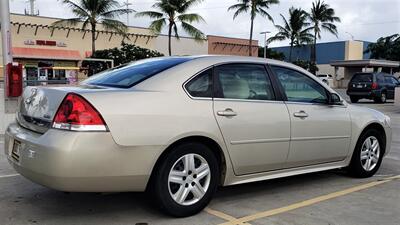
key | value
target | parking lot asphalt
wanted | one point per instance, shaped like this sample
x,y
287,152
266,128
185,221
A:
x,y
329,197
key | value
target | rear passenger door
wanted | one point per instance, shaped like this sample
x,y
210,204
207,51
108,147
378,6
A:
x,y
253,120
320,132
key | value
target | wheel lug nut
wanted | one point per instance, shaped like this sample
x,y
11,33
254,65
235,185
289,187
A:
x,y
184,178
194,176
193,183
186,185
190,172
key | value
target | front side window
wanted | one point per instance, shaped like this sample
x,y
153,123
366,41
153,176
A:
x,y
299,87
201,85
388,80
394,81
244,81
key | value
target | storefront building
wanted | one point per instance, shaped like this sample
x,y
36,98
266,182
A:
x,y
54,54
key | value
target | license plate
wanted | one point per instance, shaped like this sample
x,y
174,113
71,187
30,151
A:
x,y
360,86
15,150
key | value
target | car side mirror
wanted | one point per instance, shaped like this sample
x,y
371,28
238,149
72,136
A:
x,y
334,99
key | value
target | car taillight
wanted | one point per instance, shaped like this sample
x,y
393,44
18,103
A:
x,y
374,85
77,114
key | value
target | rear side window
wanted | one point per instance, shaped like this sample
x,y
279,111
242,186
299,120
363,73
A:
x,y
362,77
380,78
244,81
201,85
128,75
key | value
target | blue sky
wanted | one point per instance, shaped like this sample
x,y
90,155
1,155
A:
x,y
361,19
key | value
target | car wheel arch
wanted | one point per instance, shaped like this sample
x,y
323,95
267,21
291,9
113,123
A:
x,y
377,126
209,142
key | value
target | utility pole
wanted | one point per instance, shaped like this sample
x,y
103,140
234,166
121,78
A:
x,y
265,42
352,37
127,4
31,10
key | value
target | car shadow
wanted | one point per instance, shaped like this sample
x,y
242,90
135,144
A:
x,y
53,205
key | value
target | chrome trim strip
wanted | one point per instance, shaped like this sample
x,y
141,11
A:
x,y
74,127
313,103
248,100
318,138
260,141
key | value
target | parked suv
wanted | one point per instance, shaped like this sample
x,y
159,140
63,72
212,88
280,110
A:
x,y
326,78
376,86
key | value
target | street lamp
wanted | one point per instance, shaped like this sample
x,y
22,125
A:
x,y
265,42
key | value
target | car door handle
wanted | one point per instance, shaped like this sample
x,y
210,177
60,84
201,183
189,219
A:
x,y
300,114
227,112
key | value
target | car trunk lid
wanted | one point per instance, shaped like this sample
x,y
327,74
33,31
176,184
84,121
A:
x,y
38,105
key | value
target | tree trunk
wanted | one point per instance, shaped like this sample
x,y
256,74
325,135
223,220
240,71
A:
x,y
251,38
290,51
169,38
93,38
313,57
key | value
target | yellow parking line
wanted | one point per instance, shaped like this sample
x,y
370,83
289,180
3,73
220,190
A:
x,y
224,216
309,202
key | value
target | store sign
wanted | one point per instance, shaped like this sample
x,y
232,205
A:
x,y
45,43
29,42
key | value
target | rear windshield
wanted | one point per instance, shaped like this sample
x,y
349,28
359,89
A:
x,y
362,77
128,75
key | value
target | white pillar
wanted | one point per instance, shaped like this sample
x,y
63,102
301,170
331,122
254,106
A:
x,y
397,96
5,117
5,31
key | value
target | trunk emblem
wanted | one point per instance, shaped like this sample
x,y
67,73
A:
x,y
32,96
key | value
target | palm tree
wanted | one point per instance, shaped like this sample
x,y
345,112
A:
x,y
172,13
295,30
322,17
255,7
92,12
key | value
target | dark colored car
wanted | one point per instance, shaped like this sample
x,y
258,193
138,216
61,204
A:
x,y
376,86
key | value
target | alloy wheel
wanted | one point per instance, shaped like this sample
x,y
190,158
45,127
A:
x,y
189,179
383,97
370,153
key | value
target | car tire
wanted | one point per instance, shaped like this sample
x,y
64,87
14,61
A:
x,y
382,98
364,152
354,99
170,196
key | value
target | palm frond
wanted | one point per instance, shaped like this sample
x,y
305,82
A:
x,y
67,22
190,17
116,12
151,14
193,31
115,25
157,25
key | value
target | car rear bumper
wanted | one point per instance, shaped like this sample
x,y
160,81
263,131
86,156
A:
x,y
80,161
364,94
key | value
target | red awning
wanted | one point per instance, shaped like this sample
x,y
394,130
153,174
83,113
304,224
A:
x,y
40,53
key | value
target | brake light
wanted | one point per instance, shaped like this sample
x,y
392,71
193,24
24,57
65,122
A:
x,y
76,113
374,85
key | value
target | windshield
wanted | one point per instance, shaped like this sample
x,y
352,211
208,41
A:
x,y
362,77
128,75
